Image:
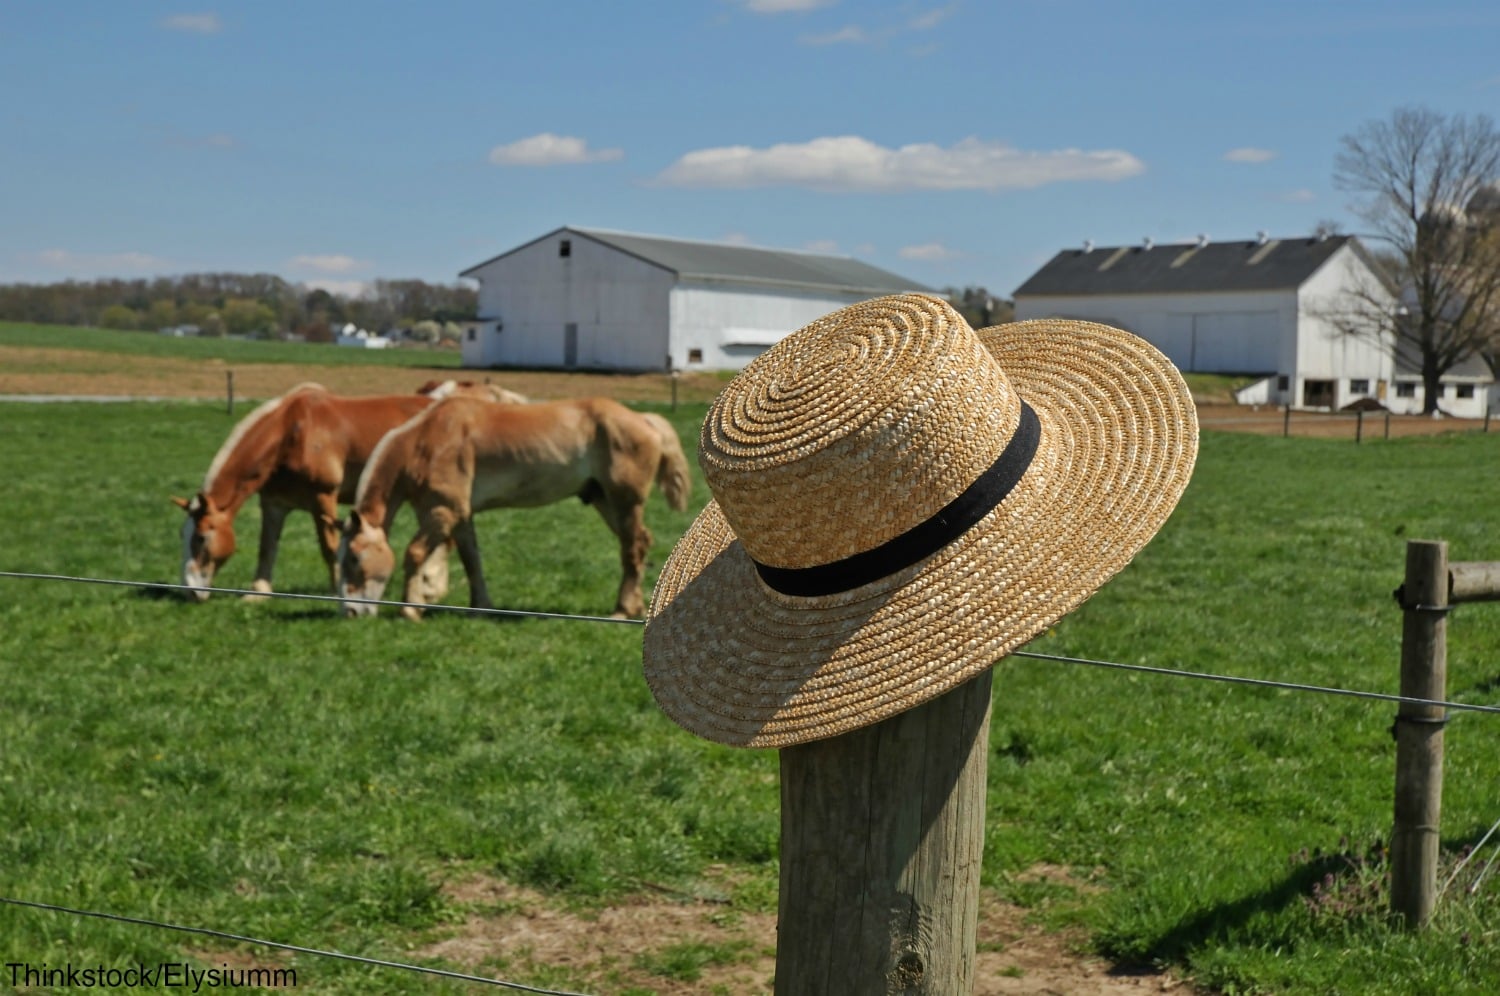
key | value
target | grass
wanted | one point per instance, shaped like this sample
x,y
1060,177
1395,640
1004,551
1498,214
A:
x,y
152,344
274,771
1216,388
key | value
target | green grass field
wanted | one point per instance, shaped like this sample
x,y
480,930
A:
x,y
275,771
107,341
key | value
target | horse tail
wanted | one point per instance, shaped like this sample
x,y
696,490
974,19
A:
x,y
673,475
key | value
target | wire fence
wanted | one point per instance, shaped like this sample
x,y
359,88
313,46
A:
x,y
528,614
1358,425
1236,680
280,946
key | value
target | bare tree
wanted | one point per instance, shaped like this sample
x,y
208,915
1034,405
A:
x,y
1429,186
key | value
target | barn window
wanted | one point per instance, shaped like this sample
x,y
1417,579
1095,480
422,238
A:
x,y
1317,393
1283,382
1406,389
1359,385
1463,390
471,335
695,356
565,248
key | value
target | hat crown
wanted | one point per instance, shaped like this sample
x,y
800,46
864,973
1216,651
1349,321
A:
x,y
854,429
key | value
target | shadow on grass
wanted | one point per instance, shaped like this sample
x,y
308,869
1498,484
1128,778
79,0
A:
x,y
1349,884
150,593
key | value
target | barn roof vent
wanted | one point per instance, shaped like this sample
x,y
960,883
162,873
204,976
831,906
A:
x,y
1088,246
1147,243
1202,239
1262,237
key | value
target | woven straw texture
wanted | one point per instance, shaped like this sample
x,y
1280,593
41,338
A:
x,y
853,430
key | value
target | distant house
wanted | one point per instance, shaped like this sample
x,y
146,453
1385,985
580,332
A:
x,y
583,298
1261,307
353,335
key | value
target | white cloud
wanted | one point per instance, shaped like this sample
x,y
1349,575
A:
x,y
931,19
548,149
93,262
737,239
850,163
784,6
197,24
929,252
1303,196
1249,155
851,35
332,263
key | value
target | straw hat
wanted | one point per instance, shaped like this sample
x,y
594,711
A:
x,y
899,502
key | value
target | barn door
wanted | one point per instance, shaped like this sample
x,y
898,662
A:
x,y
570,344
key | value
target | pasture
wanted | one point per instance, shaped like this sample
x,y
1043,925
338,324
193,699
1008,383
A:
x,y
376,787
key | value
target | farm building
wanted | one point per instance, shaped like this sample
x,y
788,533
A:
x,y
592,299
1262,307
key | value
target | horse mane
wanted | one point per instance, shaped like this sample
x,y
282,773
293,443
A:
x,y
242,430
384,466
437,390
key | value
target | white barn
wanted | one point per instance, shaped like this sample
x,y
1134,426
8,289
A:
x,y
1263,306
583,298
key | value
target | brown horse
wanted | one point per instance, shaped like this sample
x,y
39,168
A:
x,y
460,457
303,450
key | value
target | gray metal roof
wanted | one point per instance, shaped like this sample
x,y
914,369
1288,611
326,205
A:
x,y
1252,265
722,261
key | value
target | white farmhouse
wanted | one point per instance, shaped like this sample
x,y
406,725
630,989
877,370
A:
x,y
1263,306
584,298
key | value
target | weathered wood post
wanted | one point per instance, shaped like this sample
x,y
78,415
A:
x,y
1419,732
229,390
1474,581
1286,421
1388,424
1359,426
882,834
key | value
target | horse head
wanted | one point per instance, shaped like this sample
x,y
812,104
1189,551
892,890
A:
x,y
207,541
365,564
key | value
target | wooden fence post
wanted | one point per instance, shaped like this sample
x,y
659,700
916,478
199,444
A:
x,y
1359,426
229,389
882,834
1286,421
1388,424
1419,732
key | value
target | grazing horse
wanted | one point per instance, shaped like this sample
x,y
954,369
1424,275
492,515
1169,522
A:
x,y
460,457
303,450
437,390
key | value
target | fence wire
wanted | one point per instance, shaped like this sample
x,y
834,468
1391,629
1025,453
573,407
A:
x,y
523,613
297,948
520,987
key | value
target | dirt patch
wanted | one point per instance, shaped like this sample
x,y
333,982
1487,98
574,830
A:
x,y
1267,421
685,948
87,373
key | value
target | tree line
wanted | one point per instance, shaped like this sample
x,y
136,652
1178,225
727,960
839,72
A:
x,y
258,304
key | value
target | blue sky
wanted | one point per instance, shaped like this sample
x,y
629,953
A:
x,y
956,143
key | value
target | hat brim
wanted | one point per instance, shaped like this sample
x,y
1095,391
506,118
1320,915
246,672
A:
x,y
734,661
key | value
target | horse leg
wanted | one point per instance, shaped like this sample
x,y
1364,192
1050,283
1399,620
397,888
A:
x,y
272,518
468,552
433,577
432,535
627,520
326,515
